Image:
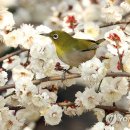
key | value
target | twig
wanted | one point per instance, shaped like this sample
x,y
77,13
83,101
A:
x,y
4,88
106,108
120,60
113,108
98,90
116,23
126,15
16,108
9,94
12,54
28,57
104,26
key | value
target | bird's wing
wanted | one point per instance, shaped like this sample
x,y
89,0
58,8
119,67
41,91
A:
x,y
86,45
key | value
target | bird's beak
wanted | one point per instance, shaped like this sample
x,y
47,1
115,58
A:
x,y
45,34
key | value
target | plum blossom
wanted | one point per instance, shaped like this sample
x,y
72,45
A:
x,y
11,62
94,74
91,30
6,19
3,77
112,14
53,115
117,40
112,89
89,98
21,72
13,38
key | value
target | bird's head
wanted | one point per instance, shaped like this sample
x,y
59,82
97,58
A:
x,y
58,37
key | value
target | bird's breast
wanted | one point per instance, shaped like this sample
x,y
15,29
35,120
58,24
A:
x,y
76,57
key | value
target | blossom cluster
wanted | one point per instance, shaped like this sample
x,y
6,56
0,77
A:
x,y
34,92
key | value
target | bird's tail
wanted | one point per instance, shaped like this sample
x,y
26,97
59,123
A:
x,y
100,41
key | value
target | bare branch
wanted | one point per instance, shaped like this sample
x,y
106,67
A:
x,y
12,54
116,23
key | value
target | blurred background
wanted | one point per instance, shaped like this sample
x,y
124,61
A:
x,y
52,13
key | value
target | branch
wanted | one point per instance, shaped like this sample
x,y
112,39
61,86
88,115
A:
x,y
16,108
70,76
104,26
112,24
126,15
12,54
113,108
63,104
106,108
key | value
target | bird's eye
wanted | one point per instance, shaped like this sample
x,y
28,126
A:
x,y
55,36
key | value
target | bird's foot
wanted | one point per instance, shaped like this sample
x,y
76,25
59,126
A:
x,y
58,67
64,73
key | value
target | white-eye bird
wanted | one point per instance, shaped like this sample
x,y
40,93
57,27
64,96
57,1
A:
x,y
73,51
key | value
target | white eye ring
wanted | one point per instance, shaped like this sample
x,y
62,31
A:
x,y
55,36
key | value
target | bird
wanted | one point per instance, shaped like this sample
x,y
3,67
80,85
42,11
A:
x,y
73,51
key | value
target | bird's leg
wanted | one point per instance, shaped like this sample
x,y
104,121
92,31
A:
x,y
58,67
66,71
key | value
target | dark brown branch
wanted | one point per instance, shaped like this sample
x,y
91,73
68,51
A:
x,y
13,93
12,54
16,108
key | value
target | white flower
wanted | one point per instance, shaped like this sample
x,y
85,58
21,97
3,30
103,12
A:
x,y
94,74
44,99
6,19
100,113
8,3
11,62
49,68
36,65
30,35
20,72
125,6
126,62
2,102
53,115
112,89
3,78
117,39
82,35
25,90
73,110
114,64
98,126
92,13
43,29
8,120
14,38
91,29
39,101
42,49
112,14
89,98
30,114
69,82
